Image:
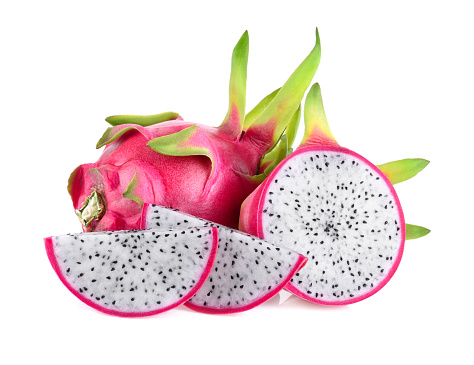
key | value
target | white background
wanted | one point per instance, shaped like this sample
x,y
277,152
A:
x,y
397,81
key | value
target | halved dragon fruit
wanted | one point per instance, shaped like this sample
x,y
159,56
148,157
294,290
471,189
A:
x,y
247,270
134,273
334,206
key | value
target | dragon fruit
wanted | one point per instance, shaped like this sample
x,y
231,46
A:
x,y
201,170
338,209
247,271
134,273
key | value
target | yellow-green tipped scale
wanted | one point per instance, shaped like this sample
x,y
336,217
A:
x,y
258,109
234,120
402,170
269,126
283,148
143,120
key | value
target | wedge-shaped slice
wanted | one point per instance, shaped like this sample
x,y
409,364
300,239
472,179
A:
x,y
247,270
134,273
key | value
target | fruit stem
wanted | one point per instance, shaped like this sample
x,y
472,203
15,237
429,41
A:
x,y
92,209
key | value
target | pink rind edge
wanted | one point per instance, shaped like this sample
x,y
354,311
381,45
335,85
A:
x,y
212,256
302,260
290,287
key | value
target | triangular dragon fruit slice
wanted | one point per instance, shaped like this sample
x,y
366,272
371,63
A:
x,y
134,273
247,270
335,207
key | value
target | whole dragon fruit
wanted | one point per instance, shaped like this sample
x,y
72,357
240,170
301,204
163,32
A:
x,y
204,171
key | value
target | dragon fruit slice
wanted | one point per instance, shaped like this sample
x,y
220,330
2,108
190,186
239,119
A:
x,y
335,207
202,170
134,273
247,270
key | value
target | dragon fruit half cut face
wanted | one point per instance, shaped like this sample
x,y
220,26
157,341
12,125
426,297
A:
x,y
336,208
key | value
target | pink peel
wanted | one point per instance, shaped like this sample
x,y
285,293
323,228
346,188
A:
x,y
180,181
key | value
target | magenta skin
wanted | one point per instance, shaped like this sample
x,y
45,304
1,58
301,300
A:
x,y
252,209
54,263
302,260
183,182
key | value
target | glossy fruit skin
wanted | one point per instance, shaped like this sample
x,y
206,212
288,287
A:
x,y
181,182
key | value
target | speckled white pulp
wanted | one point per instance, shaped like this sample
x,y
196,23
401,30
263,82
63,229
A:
x,y
338,211
134,271
246,268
